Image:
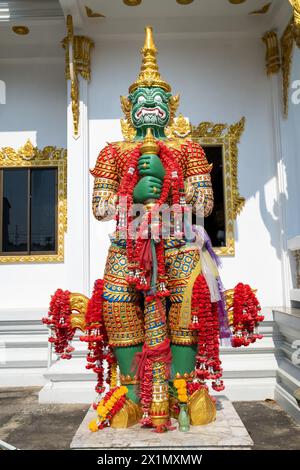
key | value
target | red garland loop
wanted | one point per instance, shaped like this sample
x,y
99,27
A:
x,y
59,320
246,316
96,337
205,321
144,365
173,185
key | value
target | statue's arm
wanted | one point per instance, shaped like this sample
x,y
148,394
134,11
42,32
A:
x,y
106,184
198,187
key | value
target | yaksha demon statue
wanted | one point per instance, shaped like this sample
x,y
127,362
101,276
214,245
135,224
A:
x,y
159,314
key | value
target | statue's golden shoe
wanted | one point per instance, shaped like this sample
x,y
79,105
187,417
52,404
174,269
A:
x,y
129,415
202,408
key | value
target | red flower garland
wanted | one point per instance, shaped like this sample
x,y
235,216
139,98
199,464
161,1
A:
x,y
59,320
96,337
173,183
205,322
246,316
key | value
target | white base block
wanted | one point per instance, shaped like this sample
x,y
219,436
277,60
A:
x,y
31,377
256,389
287,402
226,432
295,295
68,392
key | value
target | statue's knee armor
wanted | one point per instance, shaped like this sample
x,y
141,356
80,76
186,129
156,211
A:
x,y
122,313
181,263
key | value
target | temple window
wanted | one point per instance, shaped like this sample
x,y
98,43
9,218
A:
x,y
33,204
28,212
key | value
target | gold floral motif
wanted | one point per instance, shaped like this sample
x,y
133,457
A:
x,y
180,127
287,46
78,306
296,26
30,156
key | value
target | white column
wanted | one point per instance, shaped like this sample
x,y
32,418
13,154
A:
x,y
77,256
281,187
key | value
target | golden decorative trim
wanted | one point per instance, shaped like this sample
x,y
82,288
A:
x,y
296,25
29,156
128,380
132,3
93,14
263,10
78,306
228,137
287,46
186,376
184,2
78,50
272,52
21,30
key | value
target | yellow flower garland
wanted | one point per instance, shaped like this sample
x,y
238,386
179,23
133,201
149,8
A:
x,y
104,408
180,385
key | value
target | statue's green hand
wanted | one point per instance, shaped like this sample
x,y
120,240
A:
x,y
149,187
151,165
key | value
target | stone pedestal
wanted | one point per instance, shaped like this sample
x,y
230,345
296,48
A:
x,y
227,432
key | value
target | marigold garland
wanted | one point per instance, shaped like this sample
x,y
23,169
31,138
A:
x,y
181,388
108,407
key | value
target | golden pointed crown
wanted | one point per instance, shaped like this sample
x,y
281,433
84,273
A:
x,y
149,75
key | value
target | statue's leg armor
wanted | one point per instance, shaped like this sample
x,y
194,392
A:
x,y
181,263
123,317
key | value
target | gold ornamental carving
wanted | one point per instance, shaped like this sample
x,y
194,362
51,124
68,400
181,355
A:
x,y
296,23
273,64
29,156
287,47
78,306
78,49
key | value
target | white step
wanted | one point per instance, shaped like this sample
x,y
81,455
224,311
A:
x,y
288,373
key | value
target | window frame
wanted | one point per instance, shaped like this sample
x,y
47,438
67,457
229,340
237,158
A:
x,y
30,157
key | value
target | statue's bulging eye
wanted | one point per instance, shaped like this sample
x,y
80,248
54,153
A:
x,y
141,99
158,99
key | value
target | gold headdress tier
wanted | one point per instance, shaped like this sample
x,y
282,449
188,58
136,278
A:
x,y
149,75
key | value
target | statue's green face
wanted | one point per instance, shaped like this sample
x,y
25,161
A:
x,y
150,108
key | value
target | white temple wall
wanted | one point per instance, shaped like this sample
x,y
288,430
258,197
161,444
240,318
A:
x,y
291,150
220,80
36,109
